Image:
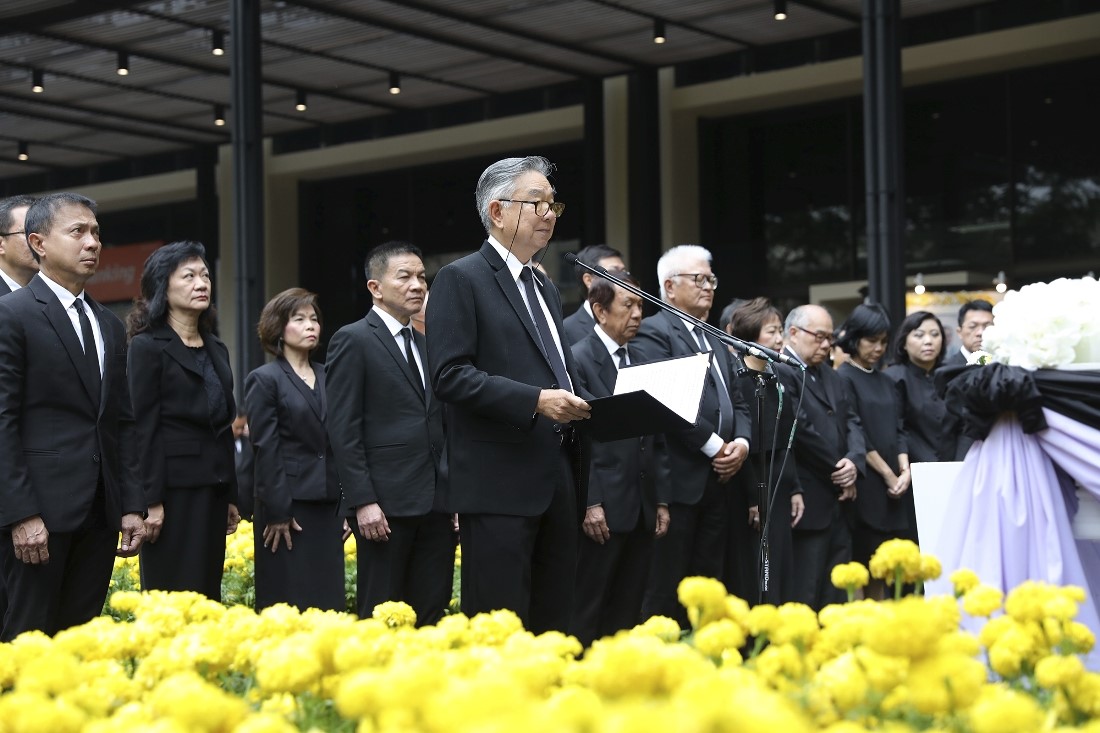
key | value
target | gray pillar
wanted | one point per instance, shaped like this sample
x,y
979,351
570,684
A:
x,y
883,154
248,181
644,174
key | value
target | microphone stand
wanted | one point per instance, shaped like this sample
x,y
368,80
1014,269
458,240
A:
x,y
763,485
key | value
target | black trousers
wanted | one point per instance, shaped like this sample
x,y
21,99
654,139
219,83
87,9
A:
x,y
816,553
67,591
190,552
524,564
416,566
695,545
611,582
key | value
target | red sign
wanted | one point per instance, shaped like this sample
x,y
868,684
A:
x,y
118,277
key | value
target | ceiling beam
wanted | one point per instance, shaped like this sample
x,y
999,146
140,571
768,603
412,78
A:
x,y
677,23
416,32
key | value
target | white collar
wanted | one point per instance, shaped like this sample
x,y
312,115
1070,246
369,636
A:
x,y
514,265
11,283
62,294
608,342
392,323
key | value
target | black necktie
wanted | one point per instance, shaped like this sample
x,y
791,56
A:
x,y
620,357
725,404
91,354
407,333
549,347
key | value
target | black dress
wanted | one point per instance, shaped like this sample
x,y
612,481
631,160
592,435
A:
x,y
743,572
924,413
878,516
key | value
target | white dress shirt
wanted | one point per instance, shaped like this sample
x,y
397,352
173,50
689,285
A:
x,y
67,299
395,328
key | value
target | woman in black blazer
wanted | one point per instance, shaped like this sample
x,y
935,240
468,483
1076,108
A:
x,y
182,389
299,528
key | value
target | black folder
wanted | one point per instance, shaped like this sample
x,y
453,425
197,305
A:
x,y
630,415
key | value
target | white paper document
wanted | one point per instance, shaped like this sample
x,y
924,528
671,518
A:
x,y
675,383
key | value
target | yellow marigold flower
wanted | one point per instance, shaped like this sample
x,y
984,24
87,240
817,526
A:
x,y
884,672
982,600
762,619
844,682
125,601
930,568
849,576
911,627
716,638
1079,637
196,704
291,665
896,556
1058,671
737,610
264,722
780,665
704,599
1012,653
662,627
492,629
1003,710
395,614
945,683
37,713
797,625
964,579
1084,695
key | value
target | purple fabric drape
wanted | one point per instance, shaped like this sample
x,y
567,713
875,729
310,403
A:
x,y
1009,521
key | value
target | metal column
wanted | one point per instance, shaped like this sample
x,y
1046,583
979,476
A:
x,y
248,181
883,155
644,174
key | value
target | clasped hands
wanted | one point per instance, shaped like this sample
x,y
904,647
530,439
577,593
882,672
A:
x,y
729,459
31,540
845,477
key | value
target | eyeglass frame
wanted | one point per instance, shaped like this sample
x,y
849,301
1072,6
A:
x,y
822,338
711,280
558,207
12,234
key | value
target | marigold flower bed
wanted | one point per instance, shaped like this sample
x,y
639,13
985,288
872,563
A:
x,y
181,662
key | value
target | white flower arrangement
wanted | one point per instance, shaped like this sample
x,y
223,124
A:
x,y
1047,325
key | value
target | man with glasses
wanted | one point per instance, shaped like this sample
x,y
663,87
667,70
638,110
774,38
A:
x,y
701,460
499,358
17,265
829,453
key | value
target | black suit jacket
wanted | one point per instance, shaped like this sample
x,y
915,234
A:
x,y
54,442
663,336
292,458
179,447
486,365
828,430
621,472
4,289
954,358
579,325
386,434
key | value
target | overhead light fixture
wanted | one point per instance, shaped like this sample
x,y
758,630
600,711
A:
x,y
780,9
24,151
219,115
300,101
659,31
1000,282
217,44
37,79
123,63
918,288
395,83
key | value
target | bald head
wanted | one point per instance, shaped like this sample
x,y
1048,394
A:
x,y
808,330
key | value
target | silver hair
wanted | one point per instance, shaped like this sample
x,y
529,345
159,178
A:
x,y
672,260
498,181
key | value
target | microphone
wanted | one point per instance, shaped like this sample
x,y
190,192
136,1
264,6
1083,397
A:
x,y
745,347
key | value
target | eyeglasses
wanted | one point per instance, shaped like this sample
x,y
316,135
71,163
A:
x,y
541,207
821,336
700,279
10,234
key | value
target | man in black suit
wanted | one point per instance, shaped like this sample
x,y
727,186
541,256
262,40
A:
x,y
829,452
17,264
579,325
624,513
66,430
386,428
17,267
974,317
697,462
500,360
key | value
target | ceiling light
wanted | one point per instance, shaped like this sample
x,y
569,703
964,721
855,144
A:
x,y
659,31
395,83
1000,282
24,151
219,115
300,101
780,9
37,85
217,44
919,287
123,63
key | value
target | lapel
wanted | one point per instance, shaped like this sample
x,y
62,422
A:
x,y
681,329
389,343
59,319
300,386
174,347
605,364
510,288
319,372
109,346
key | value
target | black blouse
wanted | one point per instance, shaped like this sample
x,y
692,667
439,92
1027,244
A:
x,y
924,414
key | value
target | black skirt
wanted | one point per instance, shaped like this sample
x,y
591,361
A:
x,y
312,574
